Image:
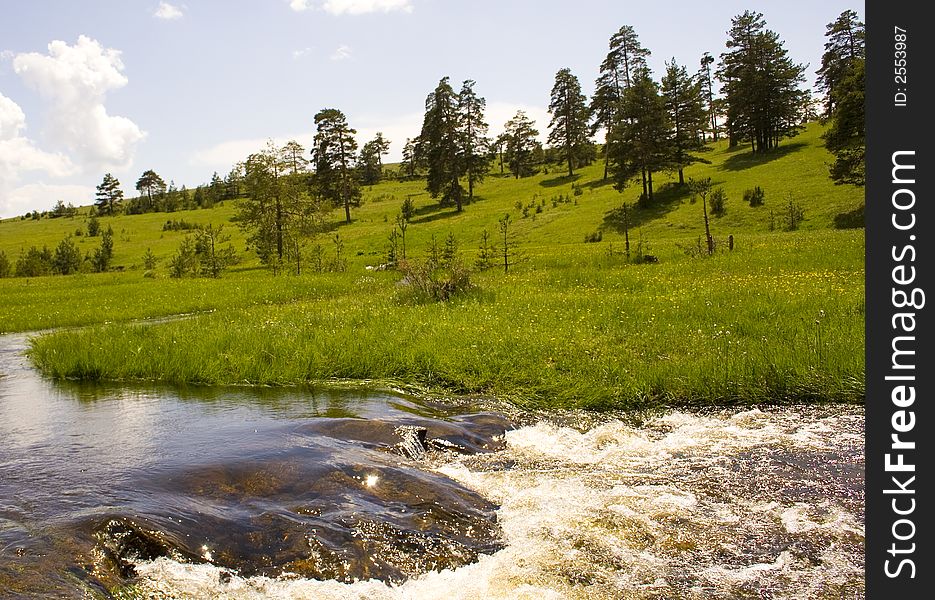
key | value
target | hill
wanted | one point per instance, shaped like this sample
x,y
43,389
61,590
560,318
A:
x,y
796,171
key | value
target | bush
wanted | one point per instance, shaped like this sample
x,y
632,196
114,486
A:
x,y
718,202
94,226
754,197
593,237
6,269
180,225
67,259
428,282
34,262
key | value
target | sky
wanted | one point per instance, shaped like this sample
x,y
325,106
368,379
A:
x,y
189,88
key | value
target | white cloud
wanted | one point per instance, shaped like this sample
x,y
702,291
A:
x,y
73,81
360,7
299,5
297,54
12,119
224,155
40,196
19,155
343,52
167,12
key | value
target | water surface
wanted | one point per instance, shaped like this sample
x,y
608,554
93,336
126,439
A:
x,y
300,493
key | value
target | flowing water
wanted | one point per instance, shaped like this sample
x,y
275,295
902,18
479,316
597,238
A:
x,y
253,493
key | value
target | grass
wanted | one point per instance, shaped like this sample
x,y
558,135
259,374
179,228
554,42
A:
x,y
778,319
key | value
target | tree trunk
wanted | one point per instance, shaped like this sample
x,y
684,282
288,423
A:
x,y
279,228
681,176
707,228
626,231
650,173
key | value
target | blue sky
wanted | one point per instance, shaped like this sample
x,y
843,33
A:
x,y
190,87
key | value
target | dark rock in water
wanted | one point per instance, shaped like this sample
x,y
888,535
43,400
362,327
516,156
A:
x,y
471,434
122,541
321,510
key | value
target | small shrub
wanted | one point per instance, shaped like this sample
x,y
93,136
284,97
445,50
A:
x,y
34,262
149,260
593,237
428,282
6,269
794,214
718,202
94,226
408,209
180,225
754,197
67,259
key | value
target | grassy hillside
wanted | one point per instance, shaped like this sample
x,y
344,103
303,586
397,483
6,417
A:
x,y
780,318
797,169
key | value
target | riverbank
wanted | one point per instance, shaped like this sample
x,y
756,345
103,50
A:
x,y
780,319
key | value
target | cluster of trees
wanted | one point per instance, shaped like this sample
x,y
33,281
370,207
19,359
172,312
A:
x,y
841,77
64,260
157,196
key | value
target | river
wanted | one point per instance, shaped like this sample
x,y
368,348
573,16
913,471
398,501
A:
x,y
364,494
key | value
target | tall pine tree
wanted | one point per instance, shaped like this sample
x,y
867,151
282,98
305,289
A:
x,y
639,142
844,51
473,128
108,196
624,58
520,135
569,125
685,107
761,84
334,156
440,145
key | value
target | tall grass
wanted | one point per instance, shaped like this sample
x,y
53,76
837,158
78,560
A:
x,y
778,320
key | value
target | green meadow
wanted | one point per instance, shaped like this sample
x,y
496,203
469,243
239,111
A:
x,y
777,319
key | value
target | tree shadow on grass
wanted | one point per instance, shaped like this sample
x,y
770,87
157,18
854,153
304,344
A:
x,y
599,183
666,199
434,212
557,181
745,160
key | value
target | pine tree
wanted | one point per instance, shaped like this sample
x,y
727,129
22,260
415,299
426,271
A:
x,y
109,195
639,143
625,57
334,153
846,137
440,145
409,158
684,105
473,135
844,50
761,85
382,146
293,157
569,124
707,86
368,163
151,184
521,145
278,212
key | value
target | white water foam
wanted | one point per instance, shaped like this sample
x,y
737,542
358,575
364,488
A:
x,y
616,511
